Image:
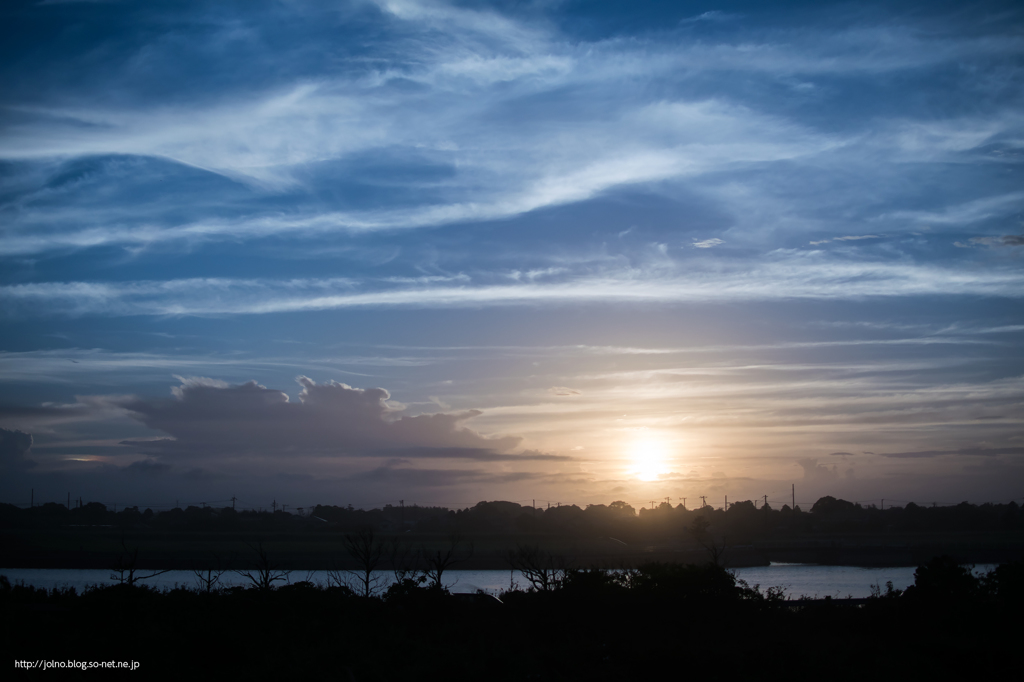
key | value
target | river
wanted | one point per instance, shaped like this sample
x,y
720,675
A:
x,y
796,580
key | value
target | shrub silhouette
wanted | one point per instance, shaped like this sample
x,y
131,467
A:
x,y
943,580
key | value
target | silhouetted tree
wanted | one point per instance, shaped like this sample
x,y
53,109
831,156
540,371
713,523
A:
x,y
402,558
890,591
126,565
700,531
943,580
594,582
621,507
207,579
678,581
441,560
1005,584
544,571
366,551
266,573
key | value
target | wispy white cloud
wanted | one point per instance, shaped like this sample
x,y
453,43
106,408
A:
x,y
651,143
967,213
480,75
846,238
98,366
712,15
707,243
785,278
928,139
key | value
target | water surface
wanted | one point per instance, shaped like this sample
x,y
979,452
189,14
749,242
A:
x,y
810,580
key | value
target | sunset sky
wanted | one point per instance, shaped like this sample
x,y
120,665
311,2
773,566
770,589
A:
x,y
571,252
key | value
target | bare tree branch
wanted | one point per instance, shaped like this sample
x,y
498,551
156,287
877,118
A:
x,y
366,551
544,570
700,531
207,579
265,574
442,560
126,565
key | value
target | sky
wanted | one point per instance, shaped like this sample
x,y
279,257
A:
x,y
565,252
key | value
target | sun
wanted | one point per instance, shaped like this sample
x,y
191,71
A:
x,y
649,458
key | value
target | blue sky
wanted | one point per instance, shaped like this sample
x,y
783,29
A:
x,y
589,251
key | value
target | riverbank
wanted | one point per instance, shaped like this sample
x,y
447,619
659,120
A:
x,y
594,626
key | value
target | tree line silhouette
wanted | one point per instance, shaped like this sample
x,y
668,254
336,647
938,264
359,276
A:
x,y
741,522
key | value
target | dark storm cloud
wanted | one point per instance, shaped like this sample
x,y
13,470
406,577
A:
x,y
208,419
439,477
14,449
969,452
476,454
197,474
33,413
1005,240
52,415
147,467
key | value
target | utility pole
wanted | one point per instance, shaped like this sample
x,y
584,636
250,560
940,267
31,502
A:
x,y
274,505
684,503
703,501
233,498
726,503
766,500
794,496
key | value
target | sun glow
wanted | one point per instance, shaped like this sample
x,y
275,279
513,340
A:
x,y
649,457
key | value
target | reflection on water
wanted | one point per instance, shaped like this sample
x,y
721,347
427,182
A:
x,y
812,580
797,579
456,581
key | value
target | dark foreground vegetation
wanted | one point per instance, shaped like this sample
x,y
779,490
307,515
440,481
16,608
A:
x,y
656,620
832,531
